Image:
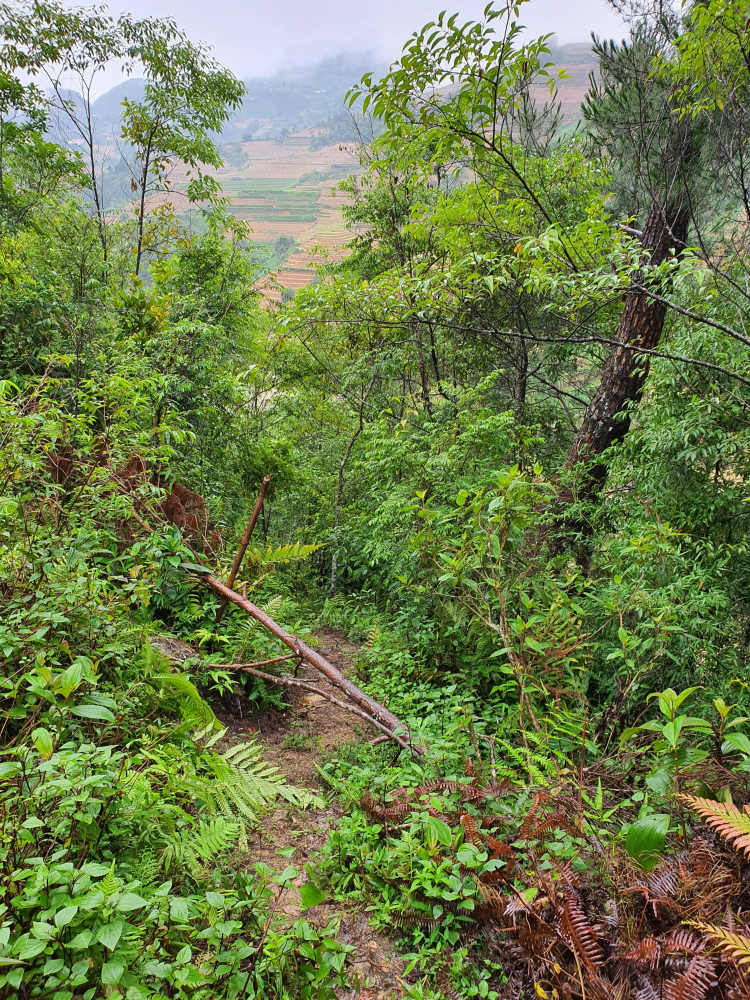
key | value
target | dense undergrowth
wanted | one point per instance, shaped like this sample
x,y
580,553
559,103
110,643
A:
x,y
551,593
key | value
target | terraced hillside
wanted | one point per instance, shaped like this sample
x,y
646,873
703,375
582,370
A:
x,y
286,192
285,188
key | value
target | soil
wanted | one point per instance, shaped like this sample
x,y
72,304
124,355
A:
x,y
295,742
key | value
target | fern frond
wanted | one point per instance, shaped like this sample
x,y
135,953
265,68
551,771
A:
x,y
202,842
694,983
647,952
282,554
145,870
110,884
725,819
580,931
735,946
193,708
243,783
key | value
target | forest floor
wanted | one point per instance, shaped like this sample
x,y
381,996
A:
x,y
295,741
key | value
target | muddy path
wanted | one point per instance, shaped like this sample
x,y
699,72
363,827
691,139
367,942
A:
x,y
295,741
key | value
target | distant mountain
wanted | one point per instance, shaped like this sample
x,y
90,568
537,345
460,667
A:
x,y
303,96
298,97
108,107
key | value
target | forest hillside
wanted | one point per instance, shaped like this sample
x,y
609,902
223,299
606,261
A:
x,y
389,640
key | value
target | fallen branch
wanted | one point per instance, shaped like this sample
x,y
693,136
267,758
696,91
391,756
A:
x,y
294,682
259,663
372,708
244,544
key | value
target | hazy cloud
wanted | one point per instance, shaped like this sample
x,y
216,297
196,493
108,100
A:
x,y
256,37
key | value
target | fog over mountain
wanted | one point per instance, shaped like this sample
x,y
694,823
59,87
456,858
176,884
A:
x,y
254,38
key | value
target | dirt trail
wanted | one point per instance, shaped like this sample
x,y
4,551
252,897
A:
x,y
295,741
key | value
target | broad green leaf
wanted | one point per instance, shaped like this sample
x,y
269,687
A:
x,y
95,712
64,916
112,971
645,840
438,832
310,894
110,934
178,909
43,742
736,741
28,947
130,901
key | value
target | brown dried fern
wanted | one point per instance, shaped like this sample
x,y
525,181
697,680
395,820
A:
x,y
579,930
694,983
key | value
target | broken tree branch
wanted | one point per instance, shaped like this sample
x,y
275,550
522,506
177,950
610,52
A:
x,y
293,682
244,544
334,675
260,663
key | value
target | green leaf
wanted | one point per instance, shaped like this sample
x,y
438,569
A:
x,y
310,895
184,955
438,832
645,840
64,916
287,875
130,901
110,934
95,869
112,971
43,742
178,909
216,900
736,741
194,567
287,852
97,712
29,948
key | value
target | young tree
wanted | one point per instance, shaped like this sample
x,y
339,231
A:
x,y
188,96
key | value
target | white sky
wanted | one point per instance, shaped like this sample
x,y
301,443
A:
x,y
256,37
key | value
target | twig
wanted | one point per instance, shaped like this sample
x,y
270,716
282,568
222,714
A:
x,y
243,545
293,682
260,663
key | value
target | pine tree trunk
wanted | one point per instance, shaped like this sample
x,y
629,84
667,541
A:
x,y
607,419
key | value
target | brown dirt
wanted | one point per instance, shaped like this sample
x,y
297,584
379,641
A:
x,y
295,741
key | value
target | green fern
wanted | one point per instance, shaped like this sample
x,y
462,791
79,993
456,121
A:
x,y
145,870
283,554
194,709
247,629
110,884
199,843
241,783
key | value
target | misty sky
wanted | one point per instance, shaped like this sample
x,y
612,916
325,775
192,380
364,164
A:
x,y
256,37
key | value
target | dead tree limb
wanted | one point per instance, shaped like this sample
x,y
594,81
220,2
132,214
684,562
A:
x,y
244,544
334,675
293,682
259,663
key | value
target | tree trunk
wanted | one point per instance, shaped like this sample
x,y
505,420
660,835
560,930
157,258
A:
x,y
606,419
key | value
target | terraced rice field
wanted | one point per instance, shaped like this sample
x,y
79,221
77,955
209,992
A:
x,y
287,189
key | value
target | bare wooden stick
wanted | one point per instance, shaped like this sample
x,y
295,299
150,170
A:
x,y
260,663
244,544
293,682
374,708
